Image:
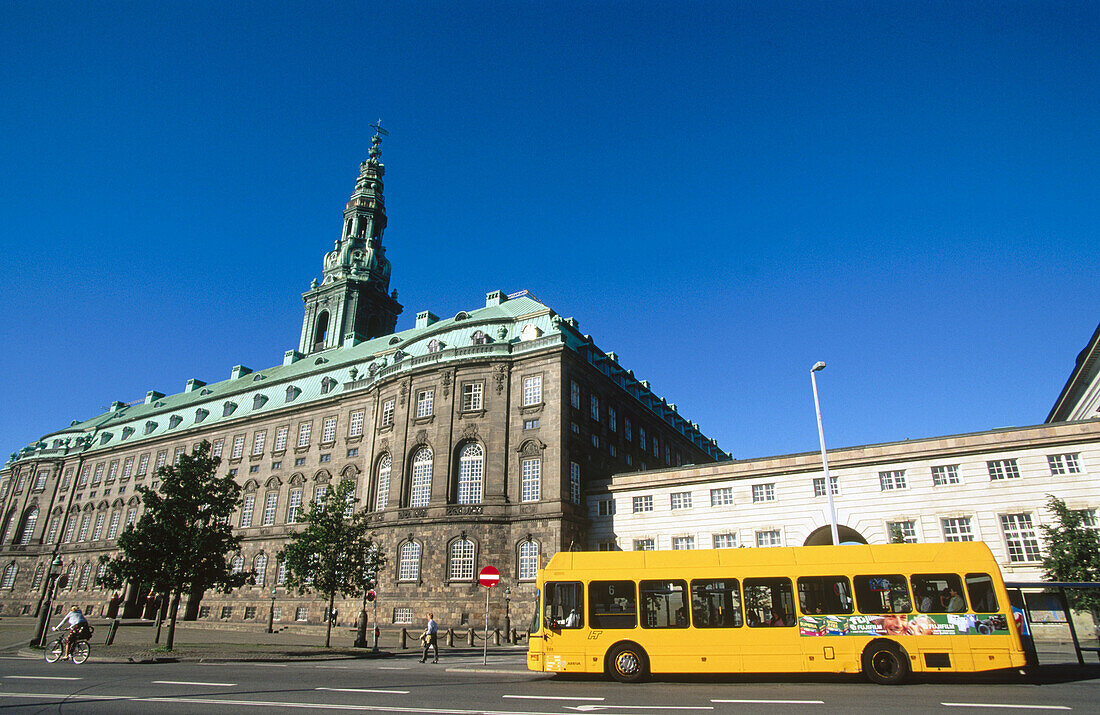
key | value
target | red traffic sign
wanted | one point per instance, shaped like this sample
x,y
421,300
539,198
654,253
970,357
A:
x,y
371,595
488,577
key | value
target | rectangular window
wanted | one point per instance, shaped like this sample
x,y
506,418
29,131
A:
x,y
97,530
85,522
280,572
612,450
131,517
643,504
664,604
425,400
258,441
824,594
892,480
269,508
725,541
355,424
769,537
304,430
112,528
66,479
402,615
644,545
238,447
612,604
112,472
1088,518
938,593
532,479
575,482
161,457
353,452
979,587
143,465
769,603
641,438
626,429
594,406
957,528
247,509
387,413
902,532
55,524
605,507
1020,537
215,450
882,594
280,438
301,613
1063,464
716,603
178,453
299,461
683,543
1003,469
596,441
611,418
722,496
819,486
471,396
574,394
680,500
249,613
128,468
531,424
96,478
227,612
294,505
80,483
763,492
945,474
532,390
328,430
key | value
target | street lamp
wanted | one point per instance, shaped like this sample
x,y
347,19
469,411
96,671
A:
x,y
507,616
824,457
271,613
44,609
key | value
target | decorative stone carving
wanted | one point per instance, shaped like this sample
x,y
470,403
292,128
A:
x,y
470,432
421,437
501,375
447,377
465,510
404,389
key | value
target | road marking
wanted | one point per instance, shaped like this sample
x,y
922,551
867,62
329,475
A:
x,y
393,667
549,697
334,667
587,708
191,682
41,677
267,665
1004,705
364,690
784,702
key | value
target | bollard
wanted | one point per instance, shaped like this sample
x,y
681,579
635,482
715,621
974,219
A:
x,y
496,636
450,637
404,638
514,637
111,632
470,633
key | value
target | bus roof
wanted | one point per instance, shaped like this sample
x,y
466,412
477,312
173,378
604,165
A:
x,y
975,554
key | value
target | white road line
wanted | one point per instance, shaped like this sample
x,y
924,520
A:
x,y
549,697
1005,705
364,690
269,665
191,682
391,667
41,677
783,702
589,708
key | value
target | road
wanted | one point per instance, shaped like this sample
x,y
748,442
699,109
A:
x,y
461,685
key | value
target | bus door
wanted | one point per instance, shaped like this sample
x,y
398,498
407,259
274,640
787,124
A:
x,y
563,627
826,605
771,640
718,625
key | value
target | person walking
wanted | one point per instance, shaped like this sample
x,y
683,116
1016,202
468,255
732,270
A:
x,y
430,641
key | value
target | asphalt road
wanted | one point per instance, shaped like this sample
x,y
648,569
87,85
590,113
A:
x,y
462,685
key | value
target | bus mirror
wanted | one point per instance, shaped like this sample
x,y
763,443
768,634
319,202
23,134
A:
x,y
551,624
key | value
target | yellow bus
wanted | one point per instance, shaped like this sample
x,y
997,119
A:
x,y
884,610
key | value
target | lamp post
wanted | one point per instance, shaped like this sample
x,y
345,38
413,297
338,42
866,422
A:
x,y
271,613
507,615
824,456
44,609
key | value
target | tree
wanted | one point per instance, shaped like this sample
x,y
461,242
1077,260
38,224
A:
x,y
333,554
1073,554
180,543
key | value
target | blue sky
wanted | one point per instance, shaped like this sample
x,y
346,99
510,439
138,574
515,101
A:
x,y
722,193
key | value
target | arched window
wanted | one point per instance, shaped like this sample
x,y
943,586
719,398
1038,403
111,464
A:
x,y
39,574
238,564
479,338
258,401
382,483
321,332
528,560
471,467
70,575
28,525
85,575
433,346
461,561
9,526
8,581
259,565
291,393
408,561
422,478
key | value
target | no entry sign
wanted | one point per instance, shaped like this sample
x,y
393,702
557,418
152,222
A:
x,y
488,577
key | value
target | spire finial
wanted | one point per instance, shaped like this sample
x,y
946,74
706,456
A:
x,y
376,141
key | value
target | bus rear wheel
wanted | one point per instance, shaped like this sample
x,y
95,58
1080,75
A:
x,y
884,662
628,663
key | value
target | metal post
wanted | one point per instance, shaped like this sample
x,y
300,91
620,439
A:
x,y
271,612
375,648
44,612
485,645
824,456
507,616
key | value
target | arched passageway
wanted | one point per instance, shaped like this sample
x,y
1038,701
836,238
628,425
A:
x,y
824,536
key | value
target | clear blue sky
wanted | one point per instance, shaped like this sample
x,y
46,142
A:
x,y
723,193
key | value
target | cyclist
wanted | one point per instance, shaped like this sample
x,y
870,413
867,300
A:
x,y
77,625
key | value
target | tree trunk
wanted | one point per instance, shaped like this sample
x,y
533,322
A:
x,y
172,609
328,618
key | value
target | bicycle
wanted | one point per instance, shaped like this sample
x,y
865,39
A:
x,y
79,650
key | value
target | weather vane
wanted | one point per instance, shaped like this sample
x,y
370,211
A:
x,y
378,128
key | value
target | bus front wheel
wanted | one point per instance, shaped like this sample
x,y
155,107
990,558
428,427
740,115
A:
x,y
628,663
885,663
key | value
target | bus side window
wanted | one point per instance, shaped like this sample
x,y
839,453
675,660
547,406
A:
x,y
769,602
612,604
824,594
938,593
716,603
983,599
882,594
664,604
565,604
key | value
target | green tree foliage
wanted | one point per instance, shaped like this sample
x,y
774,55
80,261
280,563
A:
x,y
333,553
180,543
1073,554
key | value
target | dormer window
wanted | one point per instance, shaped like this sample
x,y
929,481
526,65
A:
x,y
461,315
529,332
204,391
127,431
327,384
228,408
258,401
257,377
395,340
174,421
150,426
434,346
201,414
105,438
479,338
292,392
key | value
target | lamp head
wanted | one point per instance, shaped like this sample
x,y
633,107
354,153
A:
x,y
819,365
56,563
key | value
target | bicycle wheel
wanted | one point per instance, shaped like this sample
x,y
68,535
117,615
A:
x,y
53,650
80,651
